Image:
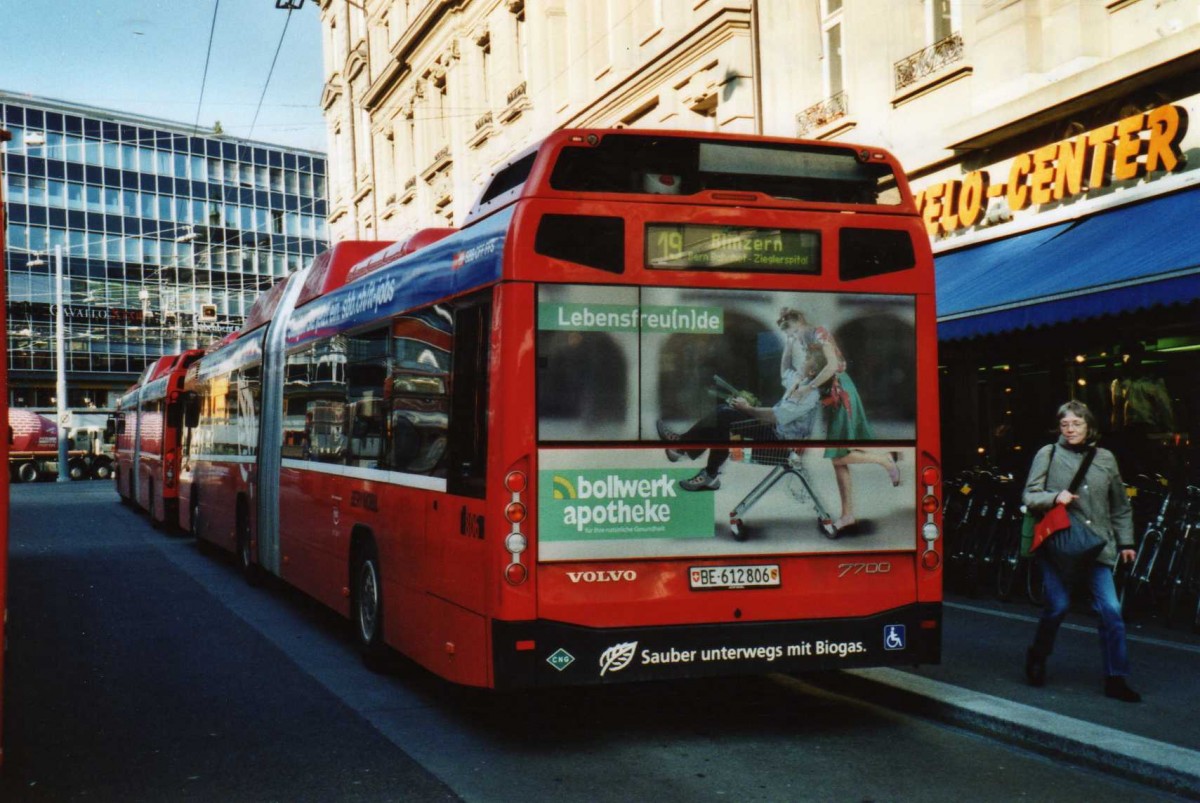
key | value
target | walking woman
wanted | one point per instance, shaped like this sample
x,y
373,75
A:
x,y
1099,502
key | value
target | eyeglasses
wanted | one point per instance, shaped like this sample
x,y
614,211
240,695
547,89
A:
x,y
1066,425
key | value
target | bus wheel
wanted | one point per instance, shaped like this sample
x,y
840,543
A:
x,y
102,470
250,570
366,606
28,472
151,507
76,470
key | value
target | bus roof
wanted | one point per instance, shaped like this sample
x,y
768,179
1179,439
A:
x,y
396,250
329,269
700,168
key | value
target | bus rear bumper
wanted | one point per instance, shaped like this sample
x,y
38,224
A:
x,y
546,653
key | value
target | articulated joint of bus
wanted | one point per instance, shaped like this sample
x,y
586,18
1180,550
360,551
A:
x,y
516,572
930,504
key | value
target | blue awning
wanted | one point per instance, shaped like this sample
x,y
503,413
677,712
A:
x,y
1121,260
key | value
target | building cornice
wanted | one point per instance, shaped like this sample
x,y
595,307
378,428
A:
x,y
723,26
398,66
1173,56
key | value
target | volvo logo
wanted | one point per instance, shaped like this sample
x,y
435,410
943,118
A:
x,y
607,576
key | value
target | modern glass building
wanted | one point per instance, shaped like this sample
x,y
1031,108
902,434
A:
x,y
167,236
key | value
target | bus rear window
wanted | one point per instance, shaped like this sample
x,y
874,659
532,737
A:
x,y
873,252
687,246
641,164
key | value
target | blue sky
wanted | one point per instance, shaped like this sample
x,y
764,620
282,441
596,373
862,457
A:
x,y
147,57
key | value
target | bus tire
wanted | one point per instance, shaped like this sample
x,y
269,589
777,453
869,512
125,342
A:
x,y
366,605
102,469
250,570
28,472
155,521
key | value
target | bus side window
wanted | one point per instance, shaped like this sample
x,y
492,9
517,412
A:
x,y
469,398
416,391
366,376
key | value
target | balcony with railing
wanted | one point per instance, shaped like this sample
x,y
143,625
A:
x,y
821,114
912,72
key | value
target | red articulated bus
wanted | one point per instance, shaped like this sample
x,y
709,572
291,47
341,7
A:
x,y
664,407
149,428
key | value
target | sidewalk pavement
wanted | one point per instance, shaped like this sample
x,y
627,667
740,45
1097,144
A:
x,y
980,686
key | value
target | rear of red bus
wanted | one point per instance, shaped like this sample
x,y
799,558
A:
x,y
646,278
160,410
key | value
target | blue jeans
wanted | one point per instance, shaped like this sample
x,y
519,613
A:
x,y
1104,601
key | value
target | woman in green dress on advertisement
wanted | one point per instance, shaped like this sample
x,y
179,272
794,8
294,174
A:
x,y
845,418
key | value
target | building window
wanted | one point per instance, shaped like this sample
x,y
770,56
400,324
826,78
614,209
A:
x,y
831,29
485,67
941,19
518,11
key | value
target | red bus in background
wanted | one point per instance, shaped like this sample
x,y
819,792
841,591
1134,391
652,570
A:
x,y
4,444
149,427
664,407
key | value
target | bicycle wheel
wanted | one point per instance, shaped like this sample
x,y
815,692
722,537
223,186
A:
x,y
1008,560
1007,572
1179,582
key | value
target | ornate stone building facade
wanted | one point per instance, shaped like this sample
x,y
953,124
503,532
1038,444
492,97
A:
x,y
1011,116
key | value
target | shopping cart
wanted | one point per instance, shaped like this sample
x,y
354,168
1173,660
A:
x,y
786,463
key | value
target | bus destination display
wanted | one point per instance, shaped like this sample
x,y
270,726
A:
x,y
685,245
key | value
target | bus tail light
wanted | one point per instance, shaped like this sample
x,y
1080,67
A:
x,y
515,512
515,543
516,481
516,573
169,472
930,505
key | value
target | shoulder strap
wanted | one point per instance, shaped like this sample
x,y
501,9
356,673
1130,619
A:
x,y
1083,467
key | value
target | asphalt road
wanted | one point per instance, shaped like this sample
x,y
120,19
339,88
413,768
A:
x,y
143,669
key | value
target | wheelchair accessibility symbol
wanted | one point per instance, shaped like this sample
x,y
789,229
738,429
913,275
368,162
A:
x,y
893,637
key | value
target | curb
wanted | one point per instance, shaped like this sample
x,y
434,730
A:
x,y
1147,761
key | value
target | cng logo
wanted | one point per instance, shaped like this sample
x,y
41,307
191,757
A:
x,y
563,489
617,657
560,659
894,637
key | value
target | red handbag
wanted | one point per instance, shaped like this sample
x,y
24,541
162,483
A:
x,y
1056,519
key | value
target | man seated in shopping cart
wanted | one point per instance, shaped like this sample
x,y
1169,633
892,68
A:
x,y
792,418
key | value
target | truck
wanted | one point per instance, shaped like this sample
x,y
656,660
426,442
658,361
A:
x,y
33,445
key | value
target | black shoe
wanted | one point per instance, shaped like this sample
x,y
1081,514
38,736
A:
x,y
1035,668
1116,688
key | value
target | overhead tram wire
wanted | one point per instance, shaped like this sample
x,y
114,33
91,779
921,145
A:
x,y
270,72
207,57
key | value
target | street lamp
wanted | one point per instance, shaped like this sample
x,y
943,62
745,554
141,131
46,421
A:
x,y
60,372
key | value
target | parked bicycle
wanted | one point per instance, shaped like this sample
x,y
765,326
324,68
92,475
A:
x,y
1183,564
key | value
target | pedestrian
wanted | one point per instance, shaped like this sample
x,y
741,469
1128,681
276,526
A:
x,y
1101,503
